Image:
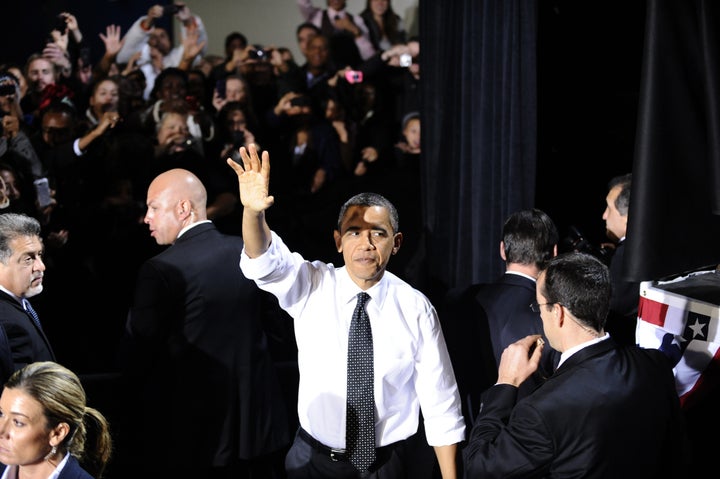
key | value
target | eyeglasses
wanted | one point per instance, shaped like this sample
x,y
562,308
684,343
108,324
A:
x,y
535,307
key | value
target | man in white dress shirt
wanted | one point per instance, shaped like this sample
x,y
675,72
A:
x,y
412,369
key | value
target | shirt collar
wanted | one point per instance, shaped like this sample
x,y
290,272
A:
x,y
182,231
3,288
564,356
332,13
349,290
522,274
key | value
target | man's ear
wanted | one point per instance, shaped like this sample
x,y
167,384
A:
x,y
184,209
558,314
502,251
397,242
338,240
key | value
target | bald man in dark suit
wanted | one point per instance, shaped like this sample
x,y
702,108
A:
x,y
211,394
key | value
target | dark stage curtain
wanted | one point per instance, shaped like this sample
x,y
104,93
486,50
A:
x,y
479,121
674,225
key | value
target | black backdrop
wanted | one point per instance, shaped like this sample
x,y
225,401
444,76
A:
x,y
27,23
525,104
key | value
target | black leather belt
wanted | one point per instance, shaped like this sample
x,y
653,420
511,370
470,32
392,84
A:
x,y
332,453
382,453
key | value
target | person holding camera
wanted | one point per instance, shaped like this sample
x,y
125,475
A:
x,y
153,42
15,146
234,132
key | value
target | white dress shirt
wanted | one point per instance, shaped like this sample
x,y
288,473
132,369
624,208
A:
x,y
411,363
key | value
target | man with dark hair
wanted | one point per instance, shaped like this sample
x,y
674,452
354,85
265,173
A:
x,y
625,298
403,359
235,45
482,320
607,411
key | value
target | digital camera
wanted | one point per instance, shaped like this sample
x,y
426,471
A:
x,y
259,53
575,241
238,139
354,76
301,100
7,89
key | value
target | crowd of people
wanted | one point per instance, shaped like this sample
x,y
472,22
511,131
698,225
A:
x,y
100,131
193,277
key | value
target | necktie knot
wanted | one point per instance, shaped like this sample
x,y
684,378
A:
x,y
362,300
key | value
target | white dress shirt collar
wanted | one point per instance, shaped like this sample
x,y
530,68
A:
x,y
564,356
182,231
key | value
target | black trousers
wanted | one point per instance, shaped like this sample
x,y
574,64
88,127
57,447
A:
x,y
307,461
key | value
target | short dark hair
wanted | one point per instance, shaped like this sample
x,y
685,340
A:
x,y
165,73
581,283
15,225
622,202
235,36
529,237
371,199
308,25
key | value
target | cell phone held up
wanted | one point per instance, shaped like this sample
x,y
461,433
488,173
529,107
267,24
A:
x,y
220,88
42,190
354,76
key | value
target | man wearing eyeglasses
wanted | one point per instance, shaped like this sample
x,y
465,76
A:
x,y
607,410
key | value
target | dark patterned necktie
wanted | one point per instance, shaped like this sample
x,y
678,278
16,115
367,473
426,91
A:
x,y
360,427
31,311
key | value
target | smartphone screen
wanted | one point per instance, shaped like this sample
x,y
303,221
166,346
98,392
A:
x,y
42,188
220,87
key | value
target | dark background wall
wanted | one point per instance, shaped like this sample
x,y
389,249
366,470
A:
x,y
28,23
589,60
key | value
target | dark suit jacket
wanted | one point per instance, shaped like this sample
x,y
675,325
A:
x,y
608,411
624,300
72,470
506,307
468,341
27,342
201,352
